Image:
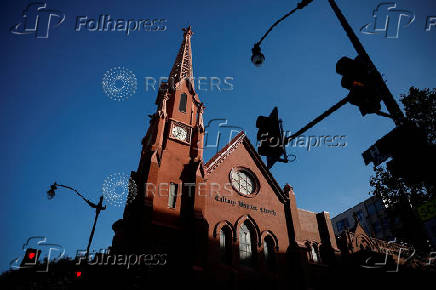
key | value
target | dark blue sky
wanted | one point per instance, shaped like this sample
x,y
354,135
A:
x,y
56,124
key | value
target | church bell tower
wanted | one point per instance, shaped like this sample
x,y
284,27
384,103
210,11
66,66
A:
x,y
171,162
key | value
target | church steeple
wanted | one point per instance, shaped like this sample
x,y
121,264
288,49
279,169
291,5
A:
x,y
171,159
177,126
182,68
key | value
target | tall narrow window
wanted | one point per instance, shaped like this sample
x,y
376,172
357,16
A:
x,y
314,253
182,104
245,245
268,251
172,196
226,245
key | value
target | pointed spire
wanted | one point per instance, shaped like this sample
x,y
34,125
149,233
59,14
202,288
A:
x,y
182,68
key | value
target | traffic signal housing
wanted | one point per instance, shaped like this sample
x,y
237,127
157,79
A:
x,y
357,78
270,138
412,156
30,257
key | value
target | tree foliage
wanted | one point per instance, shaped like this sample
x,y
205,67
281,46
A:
x,y
401,197
420,108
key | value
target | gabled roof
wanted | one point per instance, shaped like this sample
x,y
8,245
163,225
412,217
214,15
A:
x,y
227,150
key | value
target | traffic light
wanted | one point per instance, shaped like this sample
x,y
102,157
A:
x,y
411,154
356,77
270,137
30,257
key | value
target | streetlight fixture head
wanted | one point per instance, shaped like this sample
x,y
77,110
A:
x,y
257,58
51,191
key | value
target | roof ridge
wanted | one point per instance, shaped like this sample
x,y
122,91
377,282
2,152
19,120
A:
x,y
219,153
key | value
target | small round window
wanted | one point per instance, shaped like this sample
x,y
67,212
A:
x,y
243,181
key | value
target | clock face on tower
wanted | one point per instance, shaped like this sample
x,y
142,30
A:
x,y
179,133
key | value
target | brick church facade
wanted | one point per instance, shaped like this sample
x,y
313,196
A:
x,y
225,222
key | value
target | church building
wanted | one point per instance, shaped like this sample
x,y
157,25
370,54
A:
x,y
226,222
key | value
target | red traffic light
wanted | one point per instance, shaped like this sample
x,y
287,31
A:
x,y
30,257
357,78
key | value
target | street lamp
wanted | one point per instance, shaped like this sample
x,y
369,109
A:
x,y
98,207
257,57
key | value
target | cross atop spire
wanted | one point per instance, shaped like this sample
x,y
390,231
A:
x,y
182,68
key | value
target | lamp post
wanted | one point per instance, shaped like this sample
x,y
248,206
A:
x,y
391,105
98,207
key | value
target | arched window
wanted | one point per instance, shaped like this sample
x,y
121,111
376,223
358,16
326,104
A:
x,y
182,104
268,251
172,196
246,242
315,253
226,244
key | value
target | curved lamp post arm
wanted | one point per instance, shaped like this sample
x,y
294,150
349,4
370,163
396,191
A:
x,y
98,207
257,58
300,5
90,203
54,187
